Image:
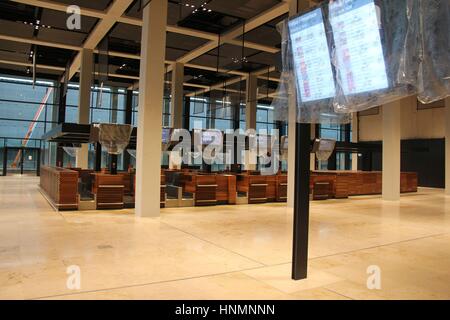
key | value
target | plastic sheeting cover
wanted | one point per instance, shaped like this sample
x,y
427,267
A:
x,y
114,137
370,48
380,51
306,81
132,153
434,71
71,151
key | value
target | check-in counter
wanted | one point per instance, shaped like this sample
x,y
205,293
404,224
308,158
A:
x,y
60,187
85,181
108,190
203,187
128,183
342,184
254,186
226,189
261,188
282,186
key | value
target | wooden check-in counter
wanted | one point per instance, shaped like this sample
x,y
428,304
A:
x,y
342,184
60,187
261,189
108,190
226,189
210,189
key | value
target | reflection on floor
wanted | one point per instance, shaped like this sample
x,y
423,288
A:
x,y
231,252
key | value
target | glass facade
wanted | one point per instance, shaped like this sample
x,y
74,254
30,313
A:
x,y
27,112
207,114
340,160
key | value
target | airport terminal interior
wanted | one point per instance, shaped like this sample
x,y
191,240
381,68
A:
x,y
210,149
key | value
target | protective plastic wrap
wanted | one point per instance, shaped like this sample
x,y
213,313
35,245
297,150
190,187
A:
x,y
114,137
71,151
434,71
132,153
300,83
374,55
347,56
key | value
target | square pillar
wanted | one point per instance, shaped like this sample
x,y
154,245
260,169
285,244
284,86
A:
x,y
391,151
151,89
84,100
176,105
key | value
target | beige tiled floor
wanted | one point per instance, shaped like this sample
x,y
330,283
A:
x,y
230,252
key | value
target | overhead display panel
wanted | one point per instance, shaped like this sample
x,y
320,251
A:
x,y
311,57
360,59
369,57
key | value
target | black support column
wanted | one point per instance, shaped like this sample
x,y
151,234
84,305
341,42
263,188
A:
x,y
113,163
98,157
235,167
301,202
38,162
187,113
22,158
5,160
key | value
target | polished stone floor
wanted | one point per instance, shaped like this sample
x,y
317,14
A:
x,y
230,252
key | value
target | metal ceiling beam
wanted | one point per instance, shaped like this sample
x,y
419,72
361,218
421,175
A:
x,y
39,42
219,86
251,24
28,64
111,53
232,81
57,6
62,69
113,13
229,37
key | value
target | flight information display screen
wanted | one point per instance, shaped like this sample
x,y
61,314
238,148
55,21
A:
x,y
356,31
315,79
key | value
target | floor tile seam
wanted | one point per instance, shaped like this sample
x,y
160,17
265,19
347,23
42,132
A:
x,y
148,283
215,244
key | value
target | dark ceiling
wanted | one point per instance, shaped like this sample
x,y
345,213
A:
x,y
219,16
